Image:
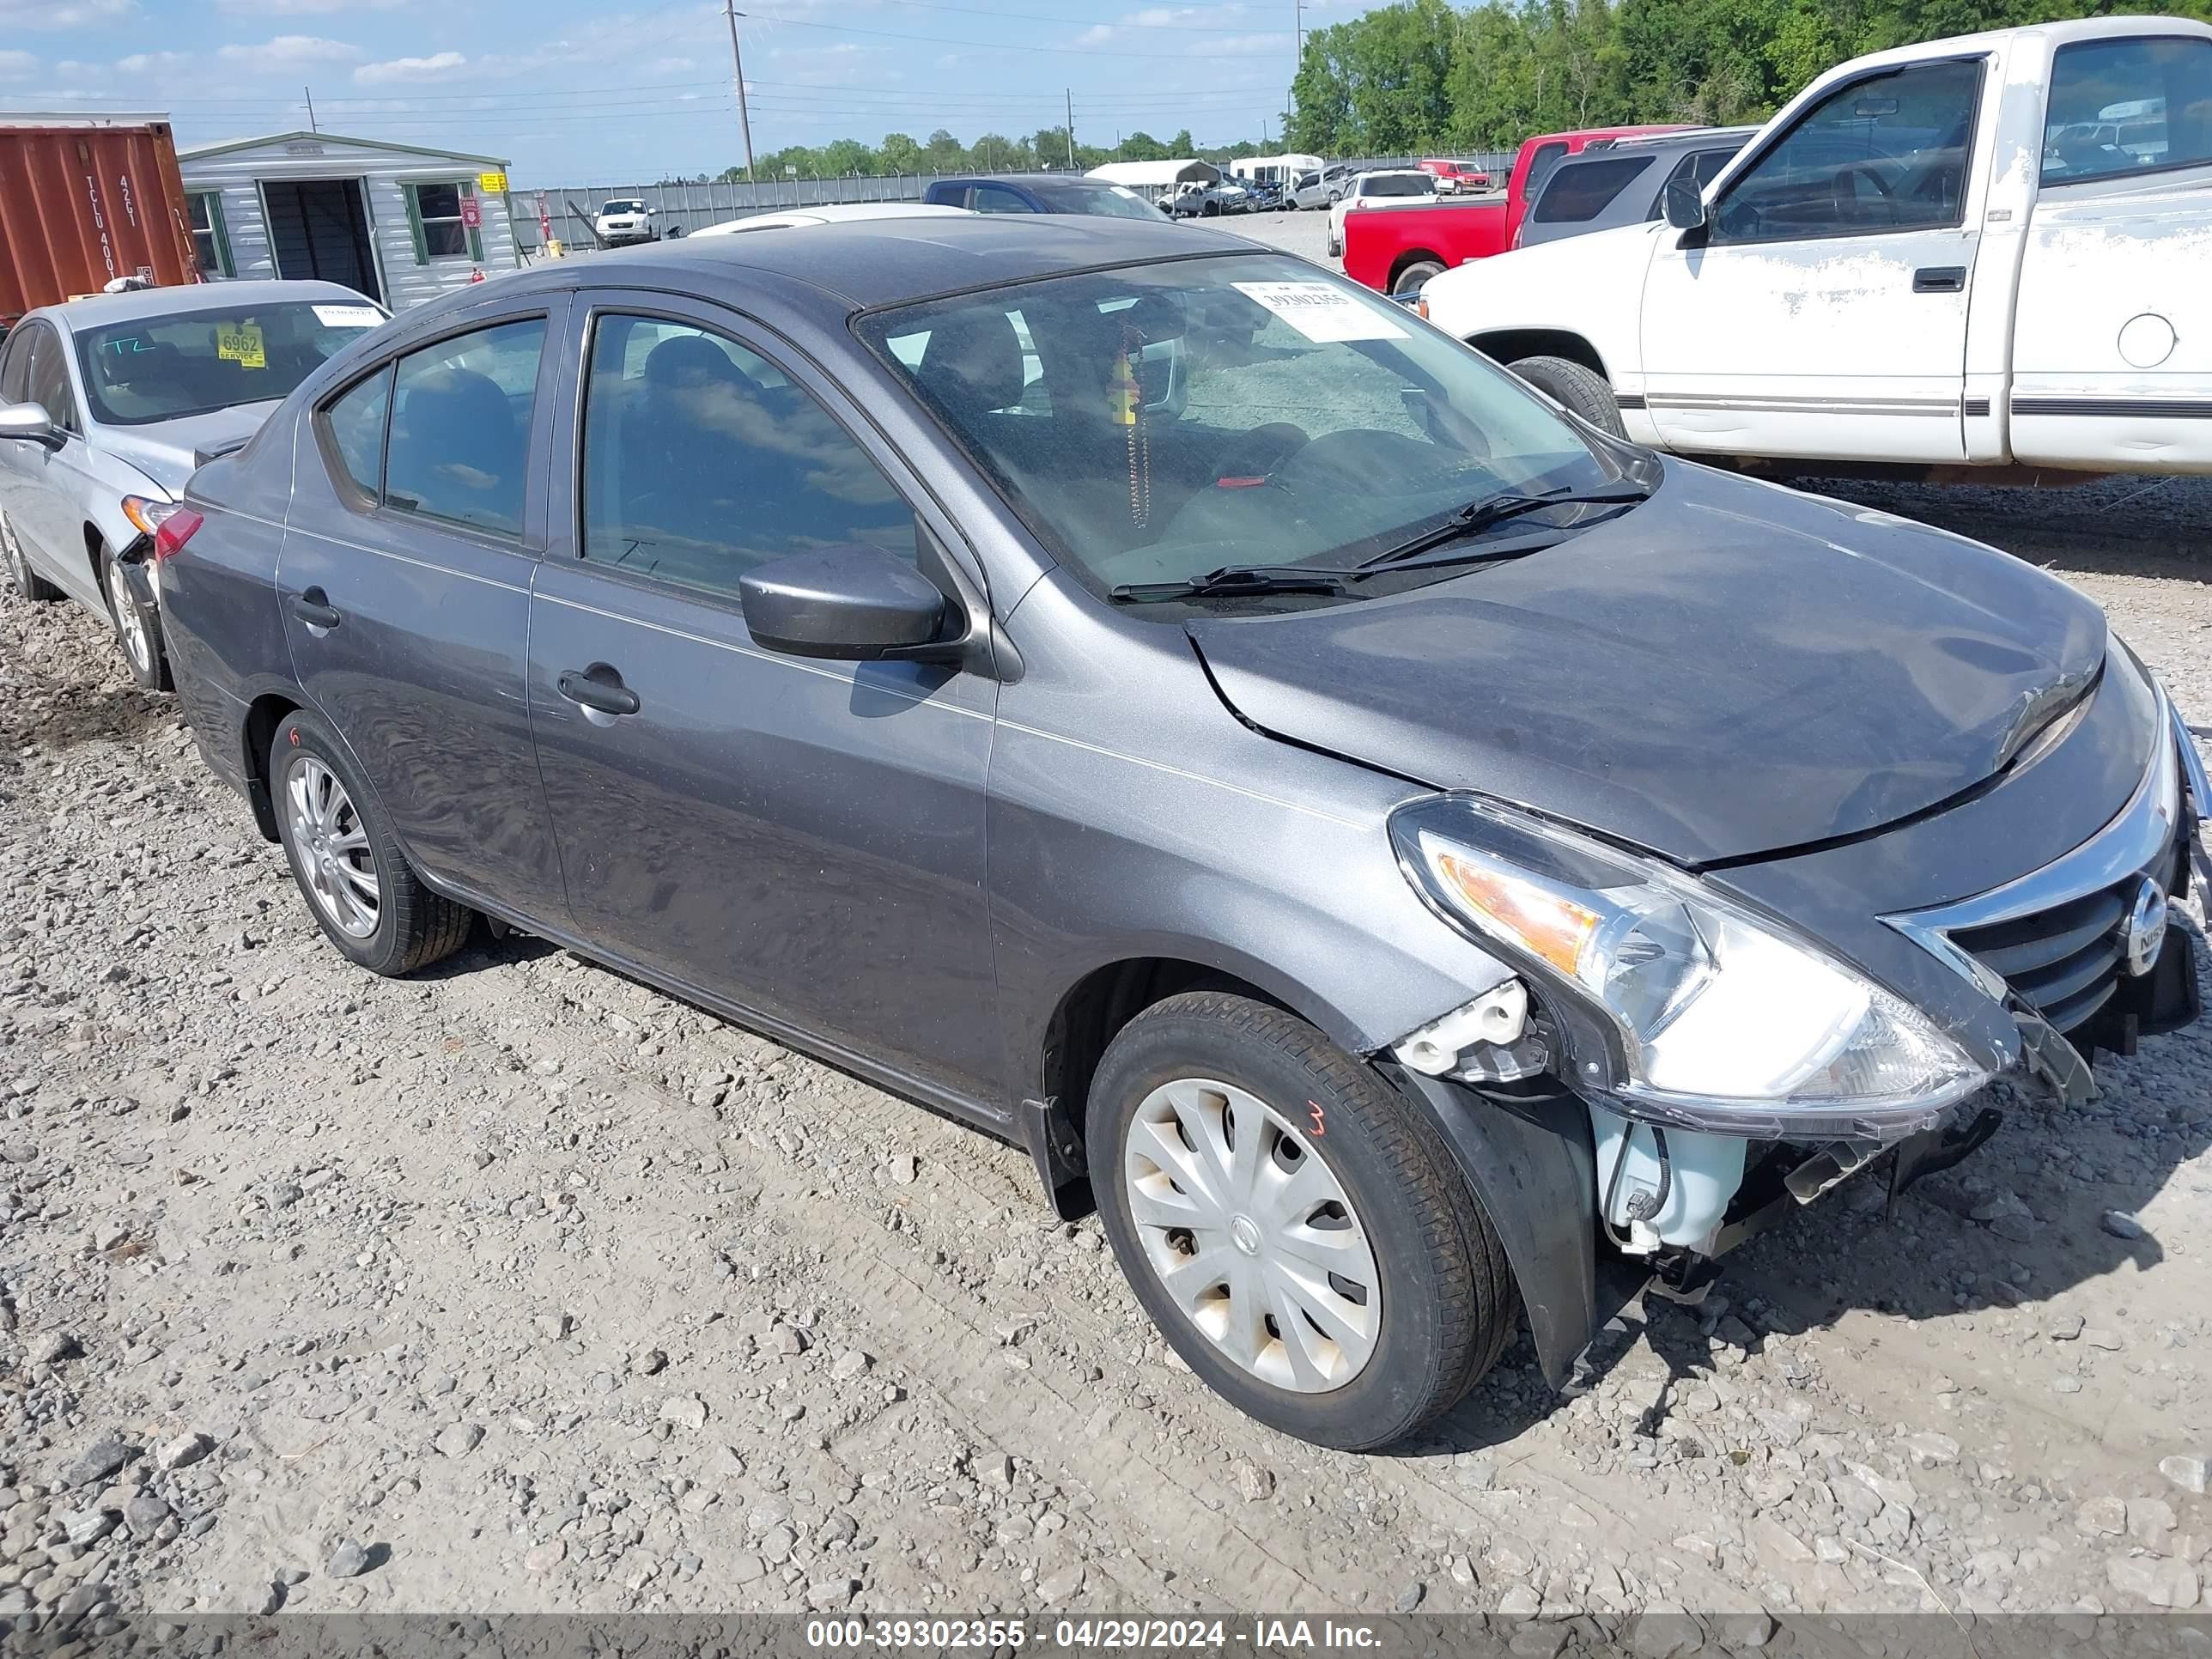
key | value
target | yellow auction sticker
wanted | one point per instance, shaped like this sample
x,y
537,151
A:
x,y
240,344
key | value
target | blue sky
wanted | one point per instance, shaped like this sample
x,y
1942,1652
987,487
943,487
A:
x,y
576,93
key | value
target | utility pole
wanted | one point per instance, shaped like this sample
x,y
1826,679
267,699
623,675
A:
x,y
310,91
737,77
1070,128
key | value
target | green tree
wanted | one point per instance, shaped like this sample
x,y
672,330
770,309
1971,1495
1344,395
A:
x,y
899,154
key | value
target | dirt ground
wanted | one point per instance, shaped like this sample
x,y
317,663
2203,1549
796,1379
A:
x,y
519,1286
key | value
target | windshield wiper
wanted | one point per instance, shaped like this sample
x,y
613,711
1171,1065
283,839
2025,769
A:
x,y
1479,516
1235,581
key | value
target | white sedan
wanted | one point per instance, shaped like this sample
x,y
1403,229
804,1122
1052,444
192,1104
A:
x,y
834,213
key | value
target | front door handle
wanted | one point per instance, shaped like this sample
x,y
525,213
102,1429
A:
x,y
598,688
1940,279
313,607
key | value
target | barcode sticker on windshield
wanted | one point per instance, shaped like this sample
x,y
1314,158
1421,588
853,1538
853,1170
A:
x,y
348,316
240,344
1322,310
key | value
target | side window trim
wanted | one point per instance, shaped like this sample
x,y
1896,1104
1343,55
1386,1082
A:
x,y
348,488
1750,163
788,358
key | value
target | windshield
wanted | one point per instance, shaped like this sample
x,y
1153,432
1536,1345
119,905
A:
x,y
622,207
163,369
1399,184
1109,201
1156,423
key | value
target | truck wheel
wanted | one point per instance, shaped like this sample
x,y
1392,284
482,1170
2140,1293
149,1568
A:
x,y
1588,394
1295,1229
1411,278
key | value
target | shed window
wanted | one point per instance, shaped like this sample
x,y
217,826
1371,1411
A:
x,y
433,214
210,242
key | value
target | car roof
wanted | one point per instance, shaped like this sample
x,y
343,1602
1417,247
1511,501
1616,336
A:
x,y
828,213
884,262
101,310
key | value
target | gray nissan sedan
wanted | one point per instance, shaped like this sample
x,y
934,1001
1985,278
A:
x,y
1383,843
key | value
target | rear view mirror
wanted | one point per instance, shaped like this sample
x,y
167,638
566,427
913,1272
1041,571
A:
x,y
1686,203
29,423
846,604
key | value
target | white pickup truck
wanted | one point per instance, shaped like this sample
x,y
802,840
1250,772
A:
x,y
1983,253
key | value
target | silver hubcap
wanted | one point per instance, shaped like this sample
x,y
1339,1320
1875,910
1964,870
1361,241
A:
x,y
18,571
128,622
1251,1235
333,847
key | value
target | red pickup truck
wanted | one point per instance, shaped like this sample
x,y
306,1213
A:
x,y
1397,252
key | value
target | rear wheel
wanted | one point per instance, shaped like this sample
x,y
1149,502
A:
x,y
1585,392
137,627
1411,278
1295,1230
25,581
359,886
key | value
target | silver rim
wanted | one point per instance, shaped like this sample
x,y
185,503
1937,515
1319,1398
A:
x,y
332,845
19,571
1251,1235
128,622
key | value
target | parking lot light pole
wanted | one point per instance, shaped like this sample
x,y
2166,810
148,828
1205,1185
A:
x,y
737,76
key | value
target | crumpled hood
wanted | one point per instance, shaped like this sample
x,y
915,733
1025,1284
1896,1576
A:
x,y
1727,670
166,452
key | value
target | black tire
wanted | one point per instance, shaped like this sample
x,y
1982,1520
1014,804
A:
x,y
137,627
1446,1296
1586,392
414,927
24,579
1411,278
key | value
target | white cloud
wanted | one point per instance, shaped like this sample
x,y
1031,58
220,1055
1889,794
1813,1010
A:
x,y
288,52
67,14
437,67
151,63
301,8
17,65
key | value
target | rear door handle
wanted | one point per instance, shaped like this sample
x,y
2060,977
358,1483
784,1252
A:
x,y
1940,279
313,607
599,687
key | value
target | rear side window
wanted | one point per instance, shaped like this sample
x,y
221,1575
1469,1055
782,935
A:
x,y
1578,194
1701,167
447,427
2128,106
702,461
356,424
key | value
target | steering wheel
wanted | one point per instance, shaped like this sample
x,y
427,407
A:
x,y
1847,202
1252,459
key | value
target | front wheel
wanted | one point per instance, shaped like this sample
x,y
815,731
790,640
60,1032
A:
x,y
1583,391
25,581
1411,278
1295,1230
137,627
362,892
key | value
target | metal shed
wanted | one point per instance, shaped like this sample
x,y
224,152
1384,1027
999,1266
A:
x,y
397,222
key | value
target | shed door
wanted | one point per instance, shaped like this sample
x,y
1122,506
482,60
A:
x,y
319,228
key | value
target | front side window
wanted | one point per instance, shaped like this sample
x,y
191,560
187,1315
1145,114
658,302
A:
x,y
1199,414
15,364
1104,201
461,409
997,198
1887,153
702,461
439,231
163,369
2128,106
357,422
1579,193
49,384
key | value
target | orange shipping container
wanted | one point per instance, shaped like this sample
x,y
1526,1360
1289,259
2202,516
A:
x,y
84,201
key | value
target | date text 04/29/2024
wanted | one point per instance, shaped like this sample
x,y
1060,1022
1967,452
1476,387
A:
x,y
1079,1635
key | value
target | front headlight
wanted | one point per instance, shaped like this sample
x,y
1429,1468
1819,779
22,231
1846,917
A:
x,y
1681,1005
147,514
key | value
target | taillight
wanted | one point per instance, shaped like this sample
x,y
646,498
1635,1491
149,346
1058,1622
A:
x,y
176,530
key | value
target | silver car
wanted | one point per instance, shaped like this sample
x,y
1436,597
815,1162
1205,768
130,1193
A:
x,y
107,404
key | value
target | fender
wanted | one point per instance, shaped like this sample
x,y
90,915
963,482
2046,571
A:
x,y
1534,1172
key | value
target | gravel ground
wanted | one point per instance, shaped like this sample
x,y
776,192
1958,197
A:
x,y
520,1287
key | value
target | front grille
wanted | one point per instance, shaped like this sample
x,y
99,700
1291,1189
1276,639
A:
x,y
2064,961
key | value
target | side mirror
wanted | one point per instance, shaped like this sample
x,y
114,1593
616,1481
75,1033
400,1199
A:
x,y
29,423
847,604
1685,204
